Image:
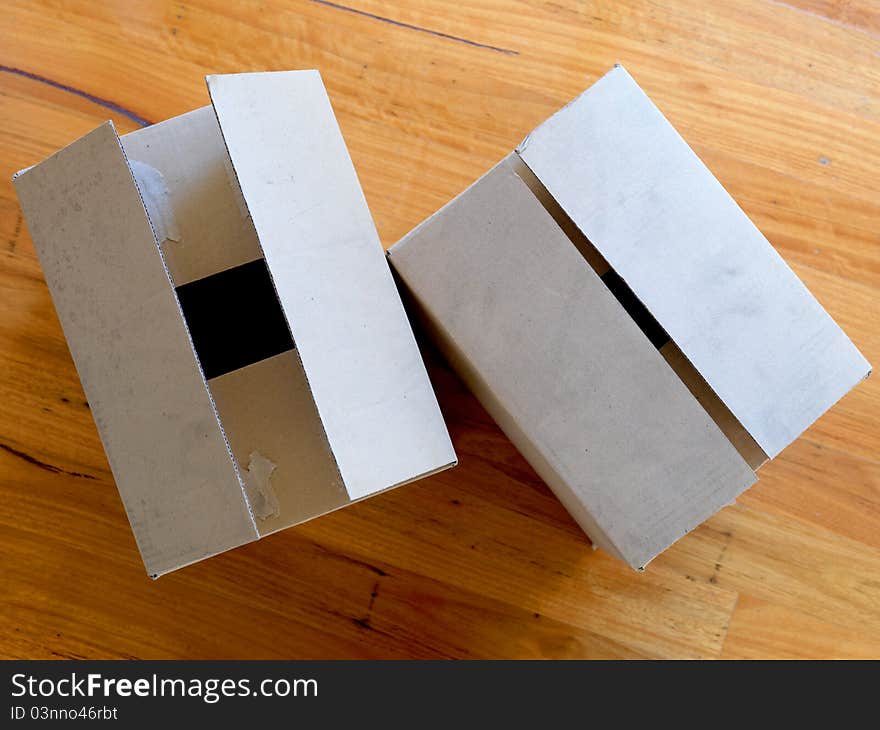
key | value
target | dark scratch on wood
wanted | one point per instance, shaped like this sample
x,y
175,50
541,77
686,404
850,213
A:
x,y
713,579
365,621
42,464
354,561
409,26
15,234
113,106
373,594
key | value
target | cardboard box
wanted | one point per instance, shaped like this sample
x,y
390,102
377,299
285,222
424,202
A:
x,y
624,322
233,318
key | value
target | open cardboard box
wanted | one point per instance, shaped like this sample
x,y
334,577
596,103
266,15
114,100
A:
x,y
624,322
232,317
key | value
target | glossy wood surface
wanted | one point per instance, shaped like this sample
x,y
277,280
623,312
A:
x,y
780,99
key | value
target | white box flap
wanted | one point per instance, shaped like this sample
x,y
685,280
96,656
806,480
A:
x,y
357,349
665,224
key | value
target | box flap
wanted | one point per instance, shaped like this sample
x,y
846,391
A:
x,y
667,227
361,361
121,317
565,371
190,181
232,311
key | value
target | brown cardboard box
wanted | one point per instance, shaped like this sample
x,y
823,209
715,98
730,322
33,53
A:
x,y
624,322
232,317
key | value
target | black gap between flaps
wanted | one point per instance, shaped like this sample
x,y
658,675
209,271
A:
x,y
234,318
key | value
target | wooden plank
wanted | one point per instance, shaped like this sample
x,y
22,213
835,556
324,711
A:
x,y
507,555
781,104
783,561
759,628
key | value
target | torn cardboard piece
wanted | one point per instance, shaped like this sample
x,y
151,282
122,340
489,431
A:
x,y
264,503
214,430
626,325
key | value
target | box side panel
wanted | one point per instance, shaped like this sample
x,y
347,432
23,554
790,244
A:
x,y
356,345
259,388
472,377
583,393
682,244
133,354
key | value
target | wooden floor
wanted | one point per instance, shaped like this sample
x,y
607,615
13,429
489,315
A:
x,y
780,99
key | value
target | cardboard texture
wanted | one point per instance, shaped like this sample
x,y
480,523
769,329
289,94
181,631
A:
x,y
607,425
190,327
138,370
644,199
352,334
627,326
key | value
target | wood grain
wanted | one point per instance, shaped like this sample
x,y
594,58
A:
x,y
781,101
